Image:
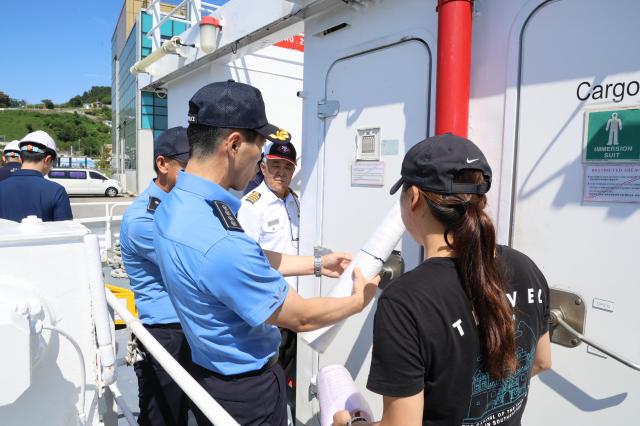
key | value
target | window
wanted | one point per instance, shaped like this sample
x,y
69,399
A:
x,y
96,175
58,174
77,175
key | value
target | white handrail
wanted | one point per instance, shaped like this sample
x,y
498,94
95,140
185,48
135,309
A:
x,y
209,407
108,217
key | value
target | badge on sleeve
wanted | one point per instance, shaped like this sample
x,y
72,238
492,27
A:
x,y
226,216
153,204
253,197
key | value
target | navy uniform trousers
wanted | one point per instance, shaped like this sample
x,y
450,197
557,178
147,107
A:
x,y
162,402
253,399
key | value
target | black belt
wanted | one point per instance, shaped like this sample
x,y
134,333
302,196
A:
x,y
206,372
173,326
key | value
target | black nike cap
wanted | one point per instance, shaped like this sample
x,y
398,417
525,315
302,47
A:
x,y
232,105
434,163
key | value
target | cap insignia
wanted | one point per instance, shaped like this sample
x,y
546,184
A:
x,y
281,135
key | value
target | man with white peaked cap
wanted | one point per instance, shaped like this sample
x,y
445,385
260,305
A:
x,y
26,192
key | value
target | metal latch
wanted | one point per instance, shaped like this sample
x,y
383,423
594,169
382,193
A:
x,y
327,108
567,324
391,269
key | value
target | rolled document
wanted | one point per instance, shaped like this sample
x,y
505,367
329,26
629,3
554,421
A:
x,y
336,392
369,259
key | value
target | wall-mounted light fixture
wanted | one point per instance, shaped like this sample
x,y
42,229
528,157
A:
x,y
210,27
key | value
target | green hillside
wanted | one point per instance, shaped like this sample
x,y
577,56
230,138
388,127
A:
x,y
86,135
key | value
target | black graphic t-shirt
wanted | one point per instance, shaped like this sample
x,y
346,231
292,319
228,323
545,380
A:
x,y
425,337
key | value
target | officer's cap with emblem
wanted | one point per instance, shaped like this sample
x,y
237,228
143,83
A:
x,y
40,142
233,105
282,151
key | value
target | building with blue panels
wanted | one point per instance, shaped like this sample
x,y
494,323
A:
x,y
138,116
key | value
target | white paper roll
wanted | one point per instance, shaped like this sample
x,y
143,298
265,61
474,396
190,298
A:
x,y
337,391
369,259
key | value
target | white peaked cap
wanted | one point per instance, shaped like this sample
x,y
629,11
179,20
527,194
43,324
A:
x,y
39,137
12,146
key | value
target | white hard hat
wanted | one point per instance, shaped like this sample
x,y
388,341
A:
x,y
38,141
13,146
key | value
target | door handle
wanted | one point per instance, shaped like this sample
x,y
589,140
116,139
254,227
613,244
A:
x,y
557,318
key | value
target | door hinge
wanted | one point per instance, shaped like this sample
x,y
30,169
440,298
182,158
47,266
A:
x,y
327,108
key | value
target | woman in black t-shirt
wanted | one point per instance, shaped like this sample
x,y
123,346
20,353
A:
x,y
456,339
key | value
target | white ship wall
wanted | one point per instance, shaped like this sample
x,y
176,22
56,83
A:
x,y
276,71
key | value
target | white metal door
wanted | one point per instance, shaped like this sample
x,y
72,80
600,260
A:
x,y
390,89
586,247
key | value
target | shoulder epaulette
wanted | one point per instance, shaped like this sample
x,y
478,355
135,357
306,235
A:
x,y
253,197
153,204
226,216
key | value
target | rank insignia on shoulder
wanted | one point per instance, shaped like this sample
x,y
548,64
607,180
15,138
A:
x,y
253,197
226,216
153,204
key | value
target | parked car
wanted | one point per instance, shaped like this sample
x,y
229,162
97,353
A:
x,y
85,181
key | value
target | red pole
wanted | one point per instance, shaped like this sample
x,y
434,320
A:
x,y
454,66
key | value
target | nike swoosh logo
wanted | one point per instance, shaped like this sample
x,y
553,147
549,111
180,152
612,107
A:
x,y
472,161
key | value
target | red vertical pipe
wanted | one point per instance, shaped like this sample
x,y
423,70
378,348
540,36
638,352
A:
x,y
454,66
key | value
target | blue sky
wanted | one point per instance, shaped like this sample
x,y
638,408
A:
x,y
56,49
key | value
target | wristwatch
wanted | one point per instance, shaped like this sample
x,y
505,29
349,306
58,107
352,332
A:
x,y
355,420
317,265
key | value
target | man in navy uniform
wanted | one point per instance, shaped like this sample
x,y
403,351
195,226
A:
x,y
26,192
11,157
228,297
161,400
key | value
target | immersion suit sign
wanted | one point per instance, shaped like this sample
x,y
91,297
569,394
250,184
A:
x,y
612,135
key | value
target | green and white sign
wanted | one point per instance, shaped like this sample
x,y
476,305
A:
x,y
612,135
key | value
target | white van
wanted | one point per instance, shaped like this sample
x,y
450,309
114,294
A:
x,y
84,181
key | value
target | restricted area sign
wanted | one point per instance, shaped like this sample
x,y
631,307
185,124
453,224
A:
x,y
612,135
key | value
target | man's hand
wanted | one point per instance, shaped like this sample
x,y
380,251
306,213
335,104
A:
x,y
334,264
364,289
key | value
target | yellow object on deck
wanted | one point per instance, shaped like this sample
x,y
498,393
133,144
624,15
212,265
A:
x,y
125,297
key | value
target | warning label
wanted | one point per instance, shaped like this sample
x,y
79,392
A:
x,y
617,184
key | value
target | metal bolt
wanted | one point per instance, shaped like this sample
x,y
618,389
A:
x,y
575,342
578,302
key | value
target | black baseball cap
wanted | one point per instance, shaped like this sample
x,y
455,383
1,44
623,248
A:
x,y
233,105
172,143
284,151
433,163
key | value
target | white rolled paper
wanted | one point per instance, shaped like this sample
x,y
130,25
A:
x,y
369,259
337,391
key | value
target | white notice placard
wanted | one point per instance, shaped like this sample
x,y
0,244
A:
x,y
367,173
606,184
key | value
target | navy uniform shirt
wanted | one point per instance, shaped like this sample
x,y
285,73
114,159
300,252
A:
x,y
139,257
27,192
218,278
8,168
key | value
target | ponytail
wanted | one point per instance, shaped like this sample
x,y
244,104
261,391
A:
x,y
471,235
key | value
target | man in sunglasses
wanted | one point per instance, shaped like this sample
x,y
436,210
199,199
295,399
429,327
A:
x,y
162,402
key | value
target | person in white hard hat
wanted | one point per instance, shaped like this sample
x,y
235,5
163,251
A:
x,y
26,192
11,158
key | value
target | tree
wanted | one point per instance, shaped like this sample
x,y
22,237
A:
x,y
48,103
76,101
5,100
18,103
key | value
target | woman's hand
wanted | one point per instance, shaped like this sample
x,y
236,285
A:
x,y
364,290
341,418
334,264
